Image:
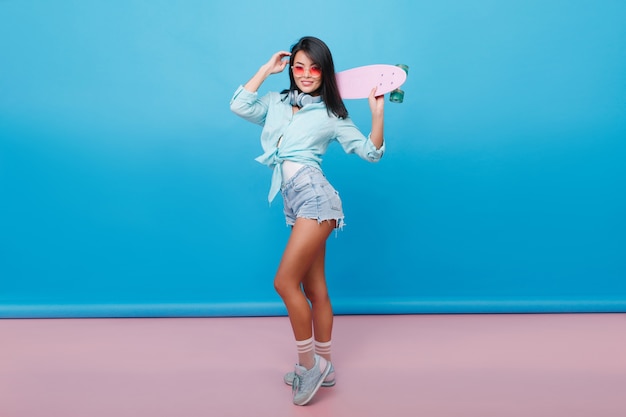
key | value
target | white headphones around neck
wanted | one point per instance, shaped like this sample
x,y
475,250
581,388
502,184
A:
x,y
299,99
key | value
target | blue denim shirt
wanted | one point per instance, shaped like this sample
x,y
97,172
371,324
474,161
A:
x,y
301,137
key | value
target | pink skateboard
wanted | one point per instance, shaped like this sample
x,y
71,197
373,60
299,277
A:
x,y
358,82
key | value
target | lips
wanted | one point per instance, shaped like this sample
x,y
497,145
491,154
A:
x,y
307,86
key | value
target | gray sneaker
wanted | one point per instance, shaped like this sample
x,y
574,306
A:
x,y
329,381
306,383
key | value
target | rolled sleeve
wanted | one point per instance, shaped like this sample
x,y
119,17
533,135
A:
x,y
353,141
247,105
373,154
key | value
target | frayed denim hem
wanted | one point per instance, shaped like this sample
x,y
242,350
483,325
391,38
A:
x,y
340,223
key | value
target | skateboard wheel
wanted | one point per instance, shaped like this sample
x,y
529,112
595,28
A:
x,y
404,67
396,96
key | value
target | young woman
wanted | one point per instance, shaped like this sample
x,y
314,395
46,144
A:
x,y
298,125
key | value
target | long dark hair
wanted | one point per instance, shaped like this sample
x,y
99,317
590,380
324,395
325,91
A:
x,y
319,53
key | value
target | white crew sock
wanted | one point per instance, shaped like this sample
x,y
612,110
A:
x,y
323,349
306,353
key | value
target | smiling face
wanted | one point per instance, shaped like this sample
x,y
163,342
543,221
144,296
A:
x,y
306,74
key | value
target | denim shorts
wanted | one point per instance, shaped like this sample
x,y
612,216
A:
x,y
309,195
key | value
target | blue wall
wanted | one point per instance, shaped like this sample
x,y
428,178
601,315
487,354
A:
x,y
129,189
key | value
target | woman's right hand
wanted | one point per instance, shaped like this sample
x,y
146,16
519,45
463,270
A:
x,y
277,63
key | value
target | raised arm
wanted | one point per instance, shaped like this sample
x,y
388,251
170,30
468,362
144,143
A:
x,y
245,102
276,64
377,106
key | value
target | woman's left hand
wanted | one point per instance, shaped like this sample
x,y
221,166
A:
x,y
377,103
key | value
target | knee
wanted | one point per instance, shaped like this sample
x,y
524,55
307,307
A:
x,y
279,286
284,287
316,295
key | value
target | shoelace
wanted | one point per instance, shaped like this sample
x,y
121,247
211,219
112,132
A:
x,y
296,383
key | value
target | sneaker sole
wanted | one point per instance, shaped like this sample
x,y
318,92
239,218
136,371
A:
x,y
325,384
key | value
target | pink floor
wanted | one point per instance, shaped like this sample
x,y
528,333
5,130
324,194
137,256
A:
x,y
421,365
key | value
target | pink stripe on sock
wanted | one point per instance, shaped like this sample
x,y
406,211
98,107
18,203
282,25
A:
x,y
304,346
323,347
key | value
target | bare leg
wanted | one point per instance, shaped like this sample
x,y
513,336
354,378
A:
x,y
305,244
317,292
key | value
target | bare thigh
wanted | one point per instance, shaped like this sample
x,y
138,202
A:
x,y
306,242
